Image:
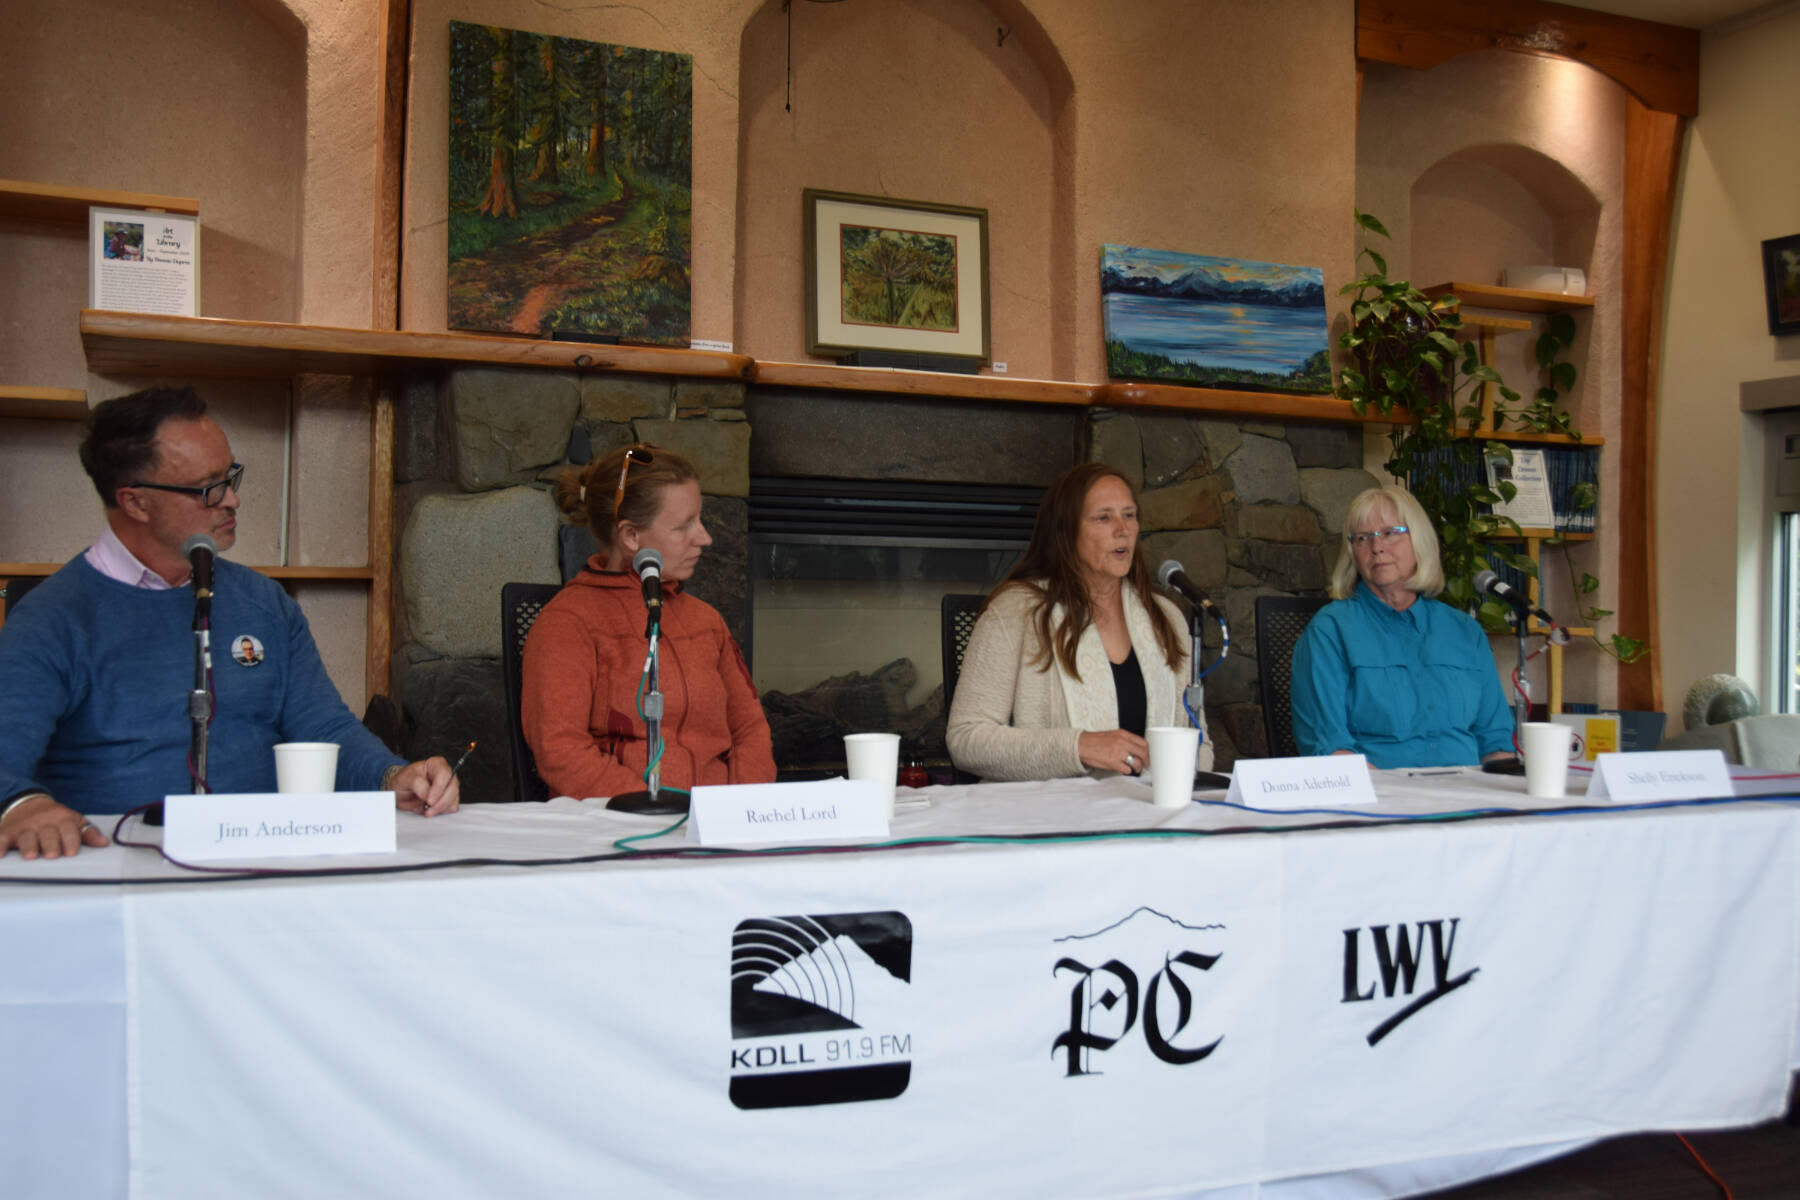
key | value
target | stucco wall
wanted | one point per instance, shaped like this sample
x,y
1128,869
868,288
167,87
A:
x,y
1494,160
1209,127
274,137
1737,188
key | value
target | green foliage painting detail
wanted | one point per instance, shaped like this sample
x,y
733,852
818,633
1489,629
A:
x,y
570,186
898,279
1403,354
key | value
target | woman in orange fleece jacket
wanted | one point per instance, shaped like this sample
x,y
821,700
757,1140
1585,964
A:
x,y
585,657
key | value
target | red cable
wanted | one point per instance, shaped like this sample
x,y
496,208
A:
x,y
1706,1170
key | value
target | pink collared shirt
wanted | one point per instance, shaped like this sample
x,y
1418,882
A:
x,y
109,556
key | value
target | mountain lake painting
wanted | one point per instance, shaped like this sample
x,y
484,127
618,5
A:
x,y
570,169
1216,322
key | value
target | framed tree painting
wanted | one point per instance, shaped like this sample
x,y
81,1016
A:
x,y
898,275
570,174
1781,283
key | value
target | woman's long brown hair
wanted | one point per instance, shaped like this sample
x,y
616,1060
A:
x,y
1051,567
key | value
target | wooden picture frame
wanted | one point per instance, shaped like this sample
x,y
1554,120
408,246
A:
x,y
1781,283
902,276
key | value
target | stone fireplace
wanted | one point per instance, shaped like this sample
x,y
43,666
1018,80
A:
x,y
1248,508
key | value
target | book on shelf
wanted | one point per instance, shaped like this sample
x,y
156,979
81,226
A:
x,y
144,262
1563,470
1530,506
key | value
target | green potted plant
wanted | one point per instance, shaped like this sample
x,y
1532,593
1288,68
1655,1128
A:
x,y
1406,361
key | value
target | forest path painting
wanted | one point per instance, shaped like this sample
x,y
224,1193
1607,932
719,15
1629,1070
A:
x,y
570,175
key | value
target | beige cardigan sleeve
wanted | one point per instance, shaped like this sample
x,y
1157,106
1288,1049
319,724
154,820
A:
x,y
1003,721
1011,720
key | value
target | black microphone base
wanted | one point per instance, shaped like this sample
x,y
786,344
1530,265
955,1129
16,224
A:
x,y
665,803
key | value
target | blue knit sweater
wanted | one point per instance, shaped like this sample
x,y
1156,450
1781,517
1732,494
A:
x,y
94,677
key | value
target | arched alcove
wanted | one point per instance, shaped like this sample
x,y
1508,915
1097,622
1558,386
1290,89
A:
x,y
1478,211
944,101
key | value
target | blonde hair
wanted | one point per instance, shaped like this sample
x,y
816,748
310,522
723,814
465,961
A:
x,y
1428,574
585,494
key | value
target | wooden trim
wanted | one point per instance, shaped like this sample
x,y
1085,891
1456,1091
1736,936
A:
x,y
923,383
44,404
1652,164
25,201
1658,64
392,47
1256,406
10,569
317,574
381,538
120,343
1487,295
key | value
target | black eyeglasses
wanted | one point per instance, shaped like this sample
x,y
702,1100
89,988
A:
x,y
212,495
637,454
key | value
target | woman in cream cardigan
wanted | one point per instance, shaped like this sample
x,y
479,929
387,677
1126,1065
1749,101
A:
x,y
1073,656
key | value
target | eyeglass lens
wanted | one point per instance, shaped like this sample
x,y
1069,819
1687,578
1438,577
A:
x,y
1378,535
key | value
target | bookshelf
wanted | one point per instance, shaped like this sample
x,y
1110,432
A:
x,y
1486,328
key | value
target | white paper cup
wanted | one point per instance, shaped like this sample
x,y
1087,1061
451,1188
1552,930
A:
x,y
1546,747
1173,751
309,767
875,757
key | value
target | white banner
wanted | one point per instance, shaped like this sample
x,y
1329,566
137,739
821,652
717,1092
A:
x,y
1112,1017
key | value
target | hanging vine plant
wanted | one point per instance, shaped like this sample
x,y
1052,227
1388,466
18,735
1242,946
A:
x,y
1405,360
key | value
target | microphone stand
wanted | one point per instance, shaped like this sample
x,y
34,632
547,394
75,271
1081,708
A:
x,y
651,802
1522,702
1195,693
200,699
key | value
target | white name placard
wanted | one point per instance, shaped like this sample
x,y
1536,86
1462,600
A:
x,y
1322,781
1660,775
277,825
748,814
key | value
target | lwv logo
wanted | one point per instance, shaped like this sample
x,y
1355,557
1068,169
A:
x,y
1398,951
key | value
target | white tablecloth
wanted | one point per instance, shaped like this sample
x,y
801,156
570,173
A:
x,y
1328,1012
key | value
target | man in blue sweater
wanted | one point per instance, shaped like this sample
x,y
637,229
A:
x,y
96,663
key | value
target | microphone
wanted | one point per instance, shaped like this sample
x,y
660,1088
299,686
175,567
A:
x,y
648,565
1171,576
199,550
1491,583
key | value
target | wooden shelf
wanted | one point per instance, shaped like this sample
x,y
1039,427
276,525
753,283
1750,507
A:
x,y
9,570
1484,295
68,205
1478,323
1255,405
120,343
828,376
43,404
1528,534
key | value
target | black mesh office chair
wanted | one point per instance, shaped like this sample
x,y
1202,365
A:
x,y
520,604
14,590
1279,620
959,611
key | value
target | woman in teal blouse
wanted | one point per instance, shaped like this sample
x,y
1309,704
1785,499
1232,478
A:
x,y
1382,673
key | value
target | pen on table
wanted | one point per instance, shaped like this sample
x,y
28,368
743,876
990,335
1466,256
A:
x,y
1436,771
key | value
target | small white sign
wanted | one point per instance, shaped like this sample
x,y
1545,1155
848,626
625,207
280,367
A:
x,y
277,825
1322,781
1660,775
143,261
709,344
746,814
